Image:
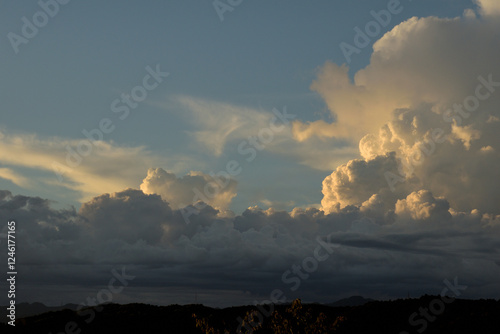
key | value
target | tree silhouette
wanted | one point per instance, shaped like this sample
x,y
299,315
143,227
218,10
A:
x,y
203,324
299,320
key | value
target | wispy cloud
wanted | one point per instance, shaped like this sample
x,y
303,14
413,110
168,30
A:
x,y
109,167
220,124
16,178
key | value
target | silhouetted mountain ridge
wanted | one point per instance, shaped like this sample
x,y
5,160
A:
x,y
29,309
458,316
351,301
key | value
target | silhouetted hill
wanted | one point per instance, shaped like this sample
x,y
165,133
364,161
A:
x,y
351,301
428,313
459,316
28,309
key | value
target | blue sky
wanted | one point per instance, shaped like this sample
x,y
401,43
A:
x,y
390,157
262,56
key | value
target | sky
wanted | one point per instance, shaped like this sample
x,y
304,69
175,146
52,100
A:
x,y
217,151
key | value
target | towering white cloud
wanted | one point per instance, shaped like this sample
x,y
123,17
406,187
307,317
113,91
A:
x,y
218,191
422,205
401,74
438,111
357,181
489,8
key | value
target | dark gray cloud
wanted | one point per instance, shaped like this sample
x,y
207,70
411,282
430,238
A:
x,y
249,252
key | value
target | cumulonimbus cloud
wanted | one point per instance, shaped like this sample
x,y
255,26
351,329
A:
x,y
436,110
